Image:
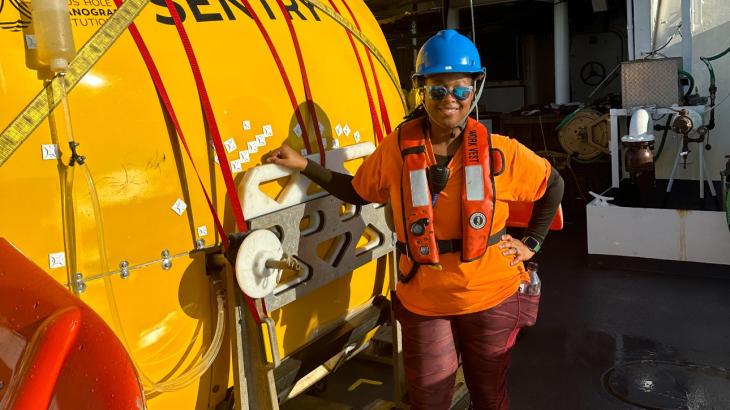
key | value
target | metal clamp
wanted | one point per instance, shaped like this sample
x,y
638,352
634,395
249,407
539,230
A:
x,y
79,284
75,157
166,260
271,333
200,243
124,269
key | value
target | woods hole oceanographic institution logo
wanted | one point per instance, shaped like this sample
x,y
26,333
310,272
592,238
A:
x,y
14,15
477,220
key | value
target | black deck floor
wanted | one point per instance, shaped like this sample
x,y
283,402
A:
x,y
605,339
593,320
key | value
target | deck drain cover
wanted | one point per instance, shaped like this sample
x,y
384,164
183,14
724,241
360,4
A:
x,y
669,385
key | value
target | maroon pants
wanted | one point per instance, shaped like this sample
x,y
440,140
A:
x,y
431,346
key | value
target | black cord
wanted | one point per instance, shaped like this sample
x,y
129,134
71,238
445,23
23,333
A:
x,y
419,111
657,51
575,177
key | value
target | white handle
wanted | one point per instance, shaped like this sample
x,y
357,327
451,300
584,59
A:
x,y
256,202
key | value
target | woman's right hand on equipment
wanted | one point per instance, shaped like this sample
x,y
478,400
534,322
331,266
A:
x,y
286,156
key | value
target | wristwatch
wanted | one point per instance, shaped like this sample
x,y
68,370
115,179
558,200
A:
x,y
531,243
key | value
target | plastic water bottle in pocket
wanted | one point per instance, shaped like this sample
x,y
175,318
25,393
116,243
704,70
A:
x,y
533,286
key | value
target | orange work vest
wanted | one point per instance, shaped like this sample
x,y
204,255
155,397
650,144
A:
x,y
477,193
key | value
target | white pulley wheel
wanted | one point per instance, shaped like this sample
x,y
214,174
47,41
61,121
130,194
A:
x,y
254,278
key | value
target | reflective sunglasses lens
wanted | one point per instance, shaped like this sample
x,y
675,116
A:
x,y
437,92
461,93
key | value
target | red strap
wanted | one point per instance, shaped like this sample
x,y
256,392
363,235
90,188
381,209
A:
x,y
215,136
373,112
285,79
217,142
160,87
210,119
305,80
381,101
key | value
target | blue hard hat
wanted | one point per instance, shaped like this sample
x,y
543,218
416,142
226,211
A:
x,y
447,52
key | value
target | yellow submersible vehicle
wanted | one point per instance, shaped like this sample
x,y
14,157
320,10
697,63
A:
x,y
147,258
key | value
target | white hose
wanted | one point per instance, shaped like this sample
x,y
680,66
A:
x,y
204,364
194,372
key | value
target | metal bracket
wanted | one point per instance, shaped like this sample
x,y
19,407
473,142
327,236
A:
x,y
325,223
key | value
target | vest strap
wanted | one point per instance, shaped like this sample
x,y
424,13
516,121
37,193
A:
x,y
453,245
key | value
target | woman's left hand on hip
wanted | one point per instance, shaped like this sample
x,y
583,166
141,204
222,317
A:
x,y
515,248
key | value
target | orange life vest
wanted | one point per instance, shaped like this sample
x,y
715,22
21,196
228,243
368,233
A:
x,y
477,193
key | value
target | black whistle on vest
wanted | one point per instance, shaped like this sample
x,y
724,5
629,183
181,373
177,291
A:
x,y
438,177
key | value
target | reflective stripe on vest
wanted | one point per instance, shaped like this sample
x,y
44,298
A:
x,y
477,193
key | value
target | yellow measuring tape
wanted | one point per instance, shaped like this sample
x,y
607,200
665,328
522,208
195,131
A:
x,y
362,39
37,110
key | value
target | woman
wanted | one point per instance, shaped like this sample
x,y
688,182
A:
x,y
448,181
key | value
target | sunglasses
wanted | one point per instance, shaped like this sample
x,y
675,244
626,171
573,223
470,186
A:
x,y
439,92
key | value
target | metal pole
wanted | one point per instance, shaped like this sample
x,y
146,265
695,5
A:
x,y
630,28
687,35
561,32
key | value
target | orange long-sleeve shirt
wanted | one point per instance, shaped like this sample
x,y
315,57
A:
x,y
458,288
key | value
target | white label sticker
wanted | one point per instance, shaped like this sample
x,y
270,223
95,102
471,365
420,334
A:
x,y
56,260
268,131
179,206
30,42
335,143
236,166
246,125
261,140
297,131
338,130
253,147
346,130
230,145
357,136
244,156
49,151
202,230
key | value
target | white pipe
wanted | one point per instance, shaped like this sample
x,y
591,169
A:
x,y
687,35
630,28
639,123
562,52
